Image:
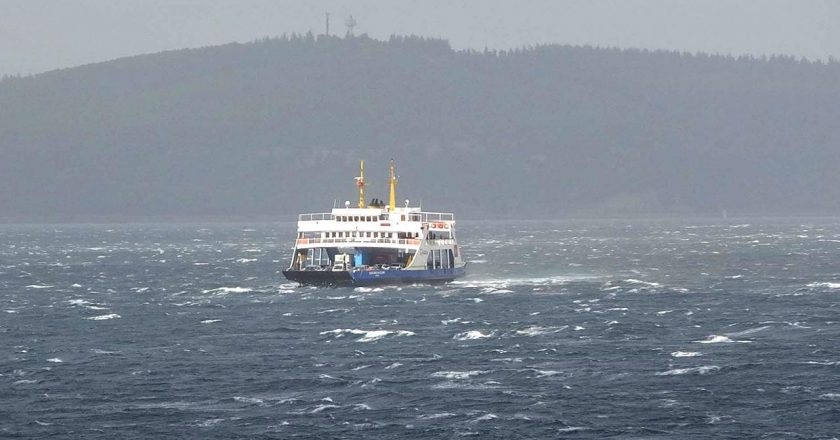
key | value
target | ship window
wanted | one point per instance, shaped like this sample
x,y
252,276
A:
x,y
367,234
403,217
383,217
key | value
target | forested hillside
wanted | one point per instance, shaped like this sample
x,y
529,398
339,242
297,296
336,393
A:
x,y
275,127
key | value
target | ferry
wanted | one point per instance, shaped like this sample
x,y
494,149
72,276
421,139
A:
x,y
375,243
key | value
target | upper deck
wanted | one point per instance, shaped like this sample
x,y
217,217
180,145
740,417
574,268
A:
x,y
374,219
374,227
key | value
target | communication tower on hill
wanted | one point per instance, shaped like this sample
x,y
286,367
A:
x,y
350,22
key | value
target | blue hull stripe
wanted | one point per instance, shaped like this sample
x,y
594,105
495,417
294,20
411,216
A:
x,y
406,276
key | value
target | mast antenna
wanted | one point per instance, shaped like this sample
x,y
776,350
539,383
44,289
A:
x,y
360,183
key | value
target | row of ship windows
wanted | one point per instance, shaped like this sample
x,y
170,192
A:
x,y
360,218
373,218
366,234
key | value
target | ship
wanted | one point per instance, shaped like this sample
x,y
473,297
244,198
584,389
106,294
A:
x,y
375,243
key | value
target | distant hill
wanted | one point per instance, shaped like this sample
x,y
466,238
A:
x,y
275,127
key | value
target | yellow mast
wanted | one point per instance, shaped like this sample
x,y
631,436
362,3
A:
x,y
360,182
392,183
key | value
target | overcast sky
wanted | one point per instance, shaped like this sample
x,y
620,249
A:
x,y
40,35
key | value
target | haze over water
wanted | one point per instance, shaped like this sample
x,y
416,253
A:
x,y
574,330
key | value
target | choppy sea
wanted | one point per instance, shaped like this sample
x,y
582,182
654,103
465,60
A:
x,y
619,329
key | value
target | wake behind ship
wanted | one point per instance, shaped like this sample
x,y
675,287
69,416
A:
x,y
375,243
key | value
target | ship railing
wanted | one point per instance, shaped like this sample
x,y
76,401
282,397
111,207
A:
x,y
443,241
360,240
437,216
315,216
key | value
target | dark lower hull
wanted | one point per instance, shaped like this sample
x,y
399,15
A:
x,y
373,277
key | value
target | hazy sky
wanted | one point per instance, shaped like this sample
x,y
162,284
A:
x,y
40,35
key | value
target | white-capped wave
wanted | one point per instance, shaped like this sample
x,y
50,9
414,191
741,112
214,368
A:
x,y
831,286
536,330
642,283
86,304
458,375
436,416
104,317
226,290
503,283
719,339
210,321
682,354
693,370
488,416
100,351
38,286
323,407
249,400
369,335
473,334
55,360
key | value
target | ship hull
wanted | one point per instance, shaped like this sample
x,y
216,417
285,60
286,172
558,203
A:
x,y
373,277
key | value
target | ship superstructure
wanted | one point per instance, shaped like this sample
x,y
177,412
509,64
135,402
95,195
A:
x,y
375,243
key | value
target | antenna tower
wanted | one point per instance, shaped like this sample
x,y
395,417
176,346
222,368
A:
x,y
350,22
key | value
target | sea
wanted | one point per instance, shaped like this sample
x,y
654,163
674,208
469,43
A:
x,y
565,329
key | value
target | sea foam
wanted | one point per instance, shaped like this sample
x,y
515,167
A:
x,y
472,335
693,370
369,335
